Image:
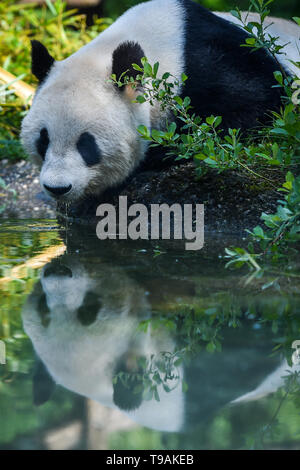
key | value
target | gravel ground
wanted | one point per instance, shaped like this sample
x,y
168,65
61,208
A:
x,y
22,197
232,201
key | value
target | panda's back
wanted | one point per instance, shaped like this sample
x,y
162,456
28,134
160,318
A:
x,y
223,77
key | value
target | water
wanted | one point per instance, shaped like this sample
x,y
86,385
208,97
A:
x,y
126,345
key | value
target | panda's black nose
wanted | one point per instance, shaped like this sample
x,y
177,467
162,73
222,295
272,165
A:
x,y
58,190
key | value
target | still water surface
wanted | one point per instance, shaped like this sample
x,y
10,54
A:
x,y
126,345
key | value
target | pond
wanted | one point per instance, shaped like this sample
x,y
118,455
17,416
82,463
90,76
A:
x,y
133,345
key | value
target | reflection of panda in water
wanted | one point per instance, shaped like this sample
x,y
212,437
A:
x,y
82,128
83,323
84,329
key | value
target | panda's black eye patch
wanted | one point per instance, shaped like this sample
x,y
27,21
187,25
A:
x,y
88,312
88,149
42,142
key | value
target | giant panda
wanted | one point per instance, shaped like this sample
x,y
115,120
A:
x,y
81,128
83,319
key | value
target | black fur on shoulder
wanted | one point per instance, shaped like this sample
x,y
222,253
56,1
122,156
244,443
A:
x,y
225,79
41,60
126,54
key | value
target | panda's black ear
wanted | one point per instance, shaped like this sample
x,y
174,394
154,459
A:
x,y
41,60
126,54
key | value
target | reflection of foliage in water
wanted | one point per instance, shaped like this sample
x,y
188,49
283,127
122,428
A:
x,y
17,414
198,328
159,371
271,430
269,423
197,325
15,249
200,325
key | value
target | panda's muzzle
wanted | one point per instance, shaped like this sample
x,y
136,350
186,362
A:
x,y
58,190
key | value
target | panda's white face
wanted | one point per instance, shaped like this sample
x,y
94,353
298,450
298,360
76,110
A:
x,y
82,131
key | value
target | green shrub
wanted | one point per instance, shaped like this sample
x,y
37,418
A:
x,y
202,138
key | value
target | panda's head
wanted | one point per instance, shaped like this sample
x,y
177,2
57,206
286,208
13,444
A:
x,y
81,127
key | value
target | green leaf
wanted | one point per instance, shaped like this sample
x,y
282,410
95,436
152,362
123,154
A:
x,y
251,41
140,99
51,7
210,120
210,161
156,378
172,128
148,69
137,67
278,77
183,77
156,395
200,156
280,131
211,311
148,394
155,68
158,135
218,121
144,131
236,14
211,347
178,100
186,101
2,183
258,231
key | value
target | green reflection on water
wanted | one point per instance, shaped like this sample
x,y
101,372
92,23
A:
x,y
177,328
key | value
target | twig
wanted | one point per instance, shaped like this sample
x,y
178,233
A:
x,y
21,89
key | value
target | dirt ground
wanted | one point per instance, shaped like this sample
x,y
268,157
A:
x,y
232,201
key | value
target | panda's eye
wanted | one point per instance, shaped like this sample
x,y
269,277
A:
x,y
42,142
88,149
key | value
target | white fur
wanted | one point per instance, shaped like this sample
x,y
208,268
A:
x,y
288,34
270,384
77,97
